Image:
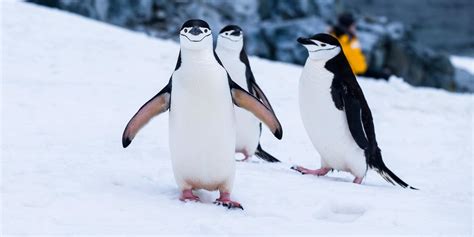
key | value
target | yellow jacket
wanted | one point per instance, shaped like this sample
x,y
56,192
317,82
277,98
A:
x,y
353,52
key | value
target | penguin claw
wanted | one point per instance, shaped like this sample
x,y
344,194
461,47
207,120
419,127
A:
x,y
229,204
297,169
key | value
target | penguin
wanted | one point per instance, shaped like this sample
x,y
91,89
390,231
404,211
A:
x,y
231,51
200,96
336,115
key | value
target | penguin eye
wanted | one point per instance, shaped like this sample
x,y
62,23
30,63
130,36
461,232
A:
x,y
226,33
205,30
185,30
324,45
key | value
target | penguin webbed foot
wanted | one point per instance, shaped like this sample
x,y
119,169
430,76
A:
x,y
244,159
246,156
225,201
317,172
187,195
358,180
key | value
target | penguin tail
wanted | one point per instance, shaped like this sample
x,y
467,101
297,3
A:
x,y
374,161
262,154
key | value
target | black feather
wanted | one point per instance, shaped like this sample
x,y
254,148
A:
x,y
359,117
262,154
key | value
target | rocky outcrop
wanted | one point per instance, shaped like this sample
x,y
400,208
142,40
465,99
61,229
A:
x,y
271,28
388,45
422,66
440,24
464,80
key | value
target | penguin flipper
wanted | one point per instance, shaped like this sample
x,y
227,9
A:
x,y
155,106
260,95
253,87
336,94
354,120
247,101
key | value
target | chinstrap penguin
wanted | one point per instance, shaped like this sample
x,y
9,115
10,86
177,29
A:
x,y
200,96
231,51
336,115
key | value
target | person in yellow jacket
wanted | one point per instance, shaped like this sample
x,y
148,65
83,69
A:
x,y
345,32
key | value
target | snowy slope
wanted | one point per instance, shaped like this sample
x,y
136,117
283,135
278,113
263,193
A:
x,y
69,86
466,63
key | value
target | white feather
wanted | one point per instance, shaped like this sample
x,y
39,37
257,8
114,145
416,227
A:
x,y
202,127
248,126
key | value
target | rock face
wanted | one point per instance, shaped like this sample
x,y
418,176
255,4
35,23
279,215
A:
x,y
388,45
271,28
423,66
432,22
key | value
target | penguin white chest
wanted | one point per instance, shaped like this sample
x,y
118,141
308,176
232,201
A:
x,y
248,126
326,125
202,128
234,67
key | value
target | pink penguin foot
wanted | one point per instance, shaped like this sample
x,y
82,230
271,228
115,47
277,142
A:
x,y
187,195
244,159
225,201
318,172
357,180
246,156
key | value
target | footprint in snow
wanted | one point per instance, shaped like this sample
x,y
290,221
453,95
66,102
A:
x,y
339,212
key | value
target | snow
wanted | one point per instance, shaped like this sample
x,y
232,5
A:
x,y
69,86
466,63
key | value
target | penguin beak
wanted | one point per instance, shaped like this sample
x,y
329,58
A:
x,y
195,31
304,41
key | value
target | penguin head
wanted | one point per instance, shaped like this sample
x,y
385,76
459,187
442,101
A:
x,y
321,46
195,34
231,37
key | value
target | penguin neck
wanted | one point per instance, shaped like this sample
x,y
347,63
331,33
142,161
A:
x,y
228,51
315,72
316,65
204,56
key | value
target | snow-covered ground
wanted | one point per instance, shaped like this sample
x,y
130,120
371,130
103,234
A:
x,y
69,86
466,63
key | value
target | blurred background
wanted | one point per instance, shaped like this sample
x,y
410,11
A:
x,y
414,40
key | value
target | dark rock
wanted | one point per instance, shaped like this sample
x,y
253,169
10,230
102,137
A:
x,y
281,37
420,66
272,26
464,80
285,10
433,22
